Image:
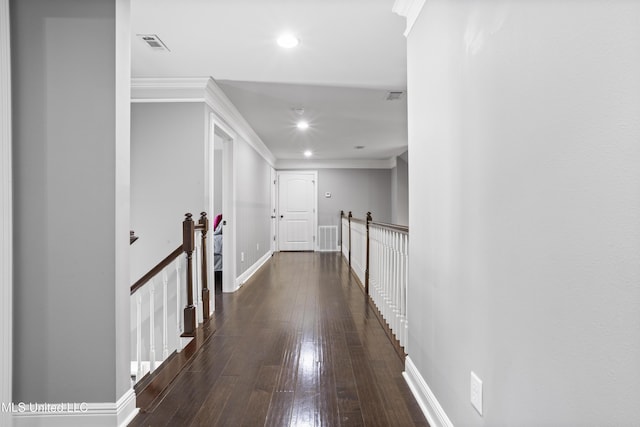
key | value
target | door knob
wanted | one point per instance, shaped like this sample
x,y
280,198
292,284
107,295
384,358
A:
x,y
281,216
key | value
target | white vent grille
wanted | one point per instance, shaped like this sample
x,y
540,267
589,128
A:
x,y
154,42
394,95
328,238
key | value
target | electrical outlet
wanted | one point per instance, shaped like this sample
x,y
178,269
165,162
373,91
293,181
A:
x,y
476,392
241,256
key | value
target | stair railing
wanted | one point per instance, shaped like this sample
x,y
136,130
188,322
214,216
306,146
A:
x,y
152,311
378,255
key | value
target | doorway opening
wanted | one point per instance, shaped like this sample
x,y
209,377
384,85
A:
x,y
220,193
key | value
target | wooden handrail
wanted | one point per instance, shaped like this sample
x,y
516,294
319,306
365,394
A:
x,y
157,269
394,227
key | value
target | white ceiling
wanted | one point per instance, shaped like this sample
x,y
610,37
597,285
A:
x,y
351,53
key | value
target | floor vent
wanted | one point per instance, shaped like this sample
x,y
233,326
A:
x,y
328,238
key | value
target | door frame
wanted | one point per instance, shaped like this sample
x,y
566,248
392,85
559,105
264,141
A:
x,y
315,204
228,207
6,219
274,206
217,126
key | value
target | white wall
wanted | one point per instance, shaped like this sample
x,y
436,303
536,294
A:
x,y
71,193
525,120
253,206
167,177
400,192
217,182
356,190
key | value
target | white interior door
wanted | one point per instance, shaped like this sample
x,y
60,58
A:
x,y
297,200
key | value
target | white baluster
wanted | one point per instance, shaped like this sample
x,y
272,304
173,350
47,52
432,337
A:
x,y
152,335
387,281
395,320
383,269
391,280
139,372
403,280
197,279
165,315
405,332
394,283
373,265
178,289
396,302
378,268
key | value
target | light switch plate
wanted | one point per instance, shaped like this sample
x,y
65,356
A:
x,y
476,392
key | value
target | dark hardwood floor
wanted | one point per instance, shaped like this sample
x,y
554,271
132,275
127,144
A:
x,y
297,345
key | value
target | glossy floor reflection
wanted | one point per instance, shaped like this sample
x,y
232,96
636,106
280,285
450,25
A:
x,y
296,346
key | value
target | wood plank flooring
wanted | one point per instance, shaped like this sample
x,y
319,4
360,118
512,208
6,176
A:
x,y
298,345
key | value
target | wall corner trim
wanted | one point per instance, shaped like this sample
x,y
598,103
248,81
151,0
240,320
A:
x,y
118,414
242,279
205,90
426,399
6,219
410,9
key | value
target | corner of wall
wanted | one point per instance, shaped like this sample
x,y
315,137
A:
x,y
6,223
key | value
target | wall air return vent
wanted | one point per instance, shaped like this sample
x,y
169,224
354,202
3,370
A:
x,y
328,238
394,96
154,42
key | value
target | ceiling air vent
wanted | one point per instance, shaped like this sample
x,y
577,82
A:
x,y
154,42
394,96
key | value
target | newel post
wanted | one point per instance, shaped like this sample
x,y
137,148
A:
x,y
366,271
341,236
188,245
203,224
350,216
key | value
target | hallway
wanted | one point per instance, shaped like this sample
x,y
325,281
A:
x,y
296,346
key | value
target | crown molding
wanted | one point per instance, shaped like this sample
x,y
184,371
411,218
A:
x,y
389,163
409,9
6,224
200,89
222,105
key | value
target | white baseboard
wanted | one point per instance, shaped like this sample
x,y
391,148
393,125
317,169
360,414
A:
x,y
251,270
115,414
426,399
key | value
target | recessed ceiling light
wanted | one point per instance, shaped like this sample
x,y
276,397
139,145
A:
x,y
308,153
288,41
302,125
